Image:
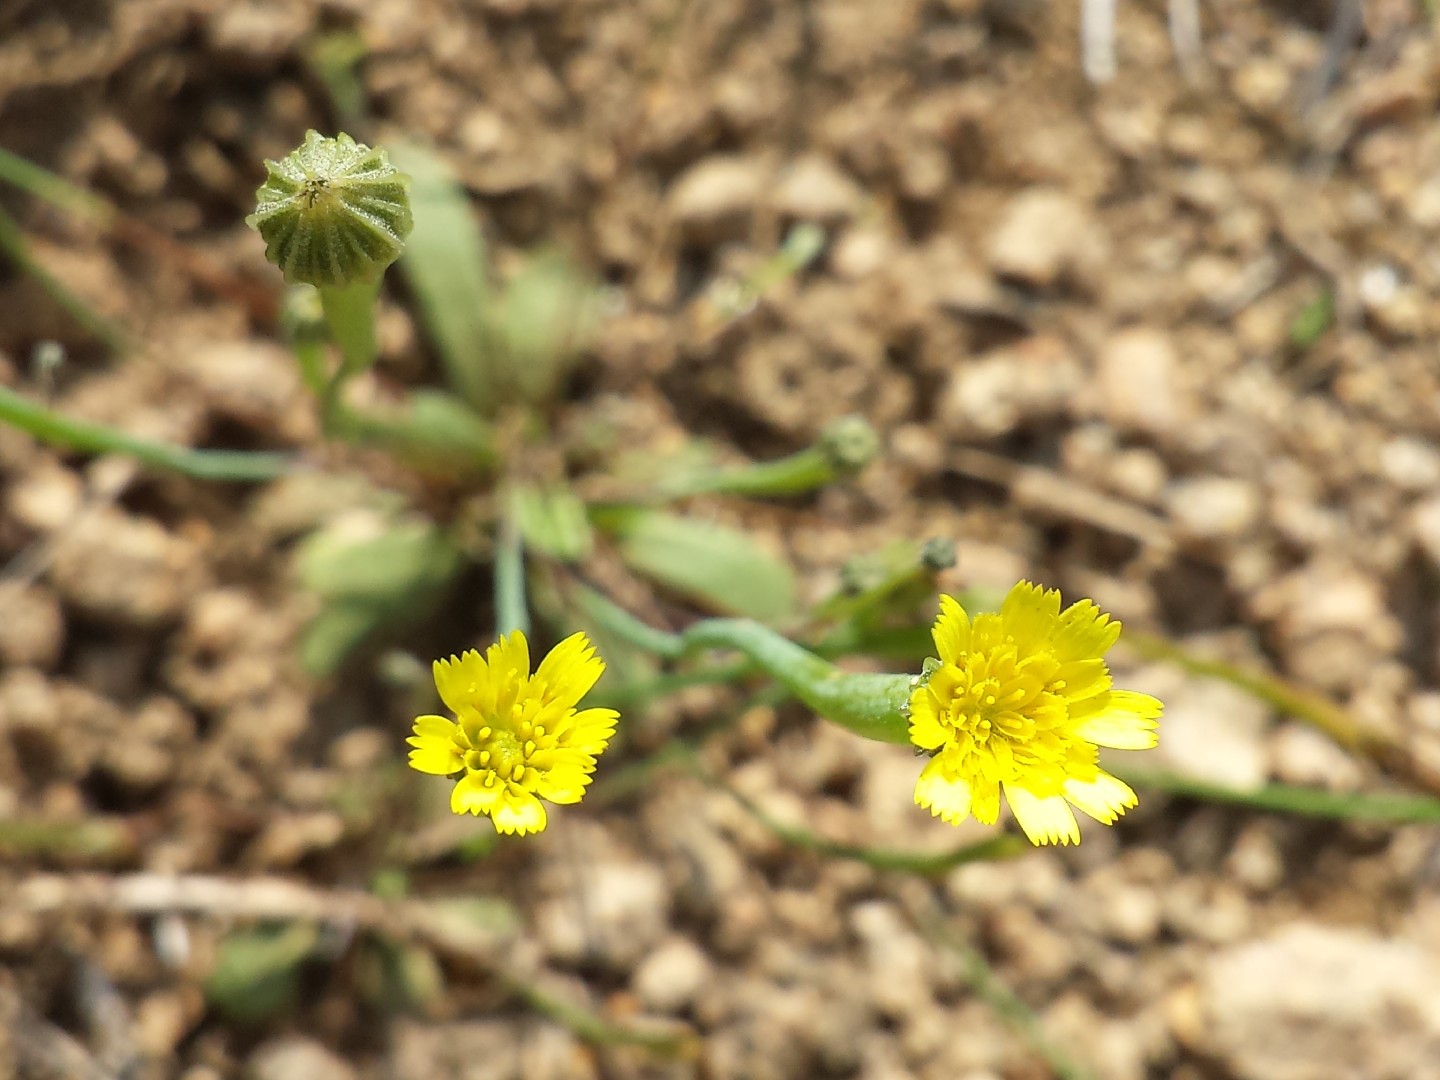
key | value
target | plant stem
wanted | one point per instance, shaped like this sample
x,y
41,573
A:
x,y
843,449
802,471
51,427
13,244
1388,807
872,706
350,317
511,612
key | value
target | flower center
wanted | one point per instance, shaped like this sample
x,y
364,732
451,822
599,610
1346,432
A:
x,y
973,710
507,754
500,751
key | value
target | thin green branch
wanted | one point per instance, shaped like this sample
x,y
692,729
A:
x,y
596,1030
511,611
870,705
13,244
91,438
925,863
1387,808
43,184
1306,705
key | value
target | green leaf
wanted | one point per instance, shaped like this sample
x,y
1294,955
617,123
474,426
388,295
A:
x,y
398,977
385,566
549,311
435,432
257,972
552,520
372,575
336,632
1312,320
720,567
445,264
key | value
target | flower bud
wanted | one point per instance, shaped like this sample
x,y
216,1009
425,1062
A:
x,y
333,213
849,444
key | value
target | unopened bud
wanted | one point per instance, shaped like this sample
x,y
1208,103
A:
x,y
849,444
333,213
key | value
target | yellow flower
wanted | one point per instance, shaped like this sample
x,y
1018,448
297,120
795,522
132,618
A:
x,y
519,737
1022,699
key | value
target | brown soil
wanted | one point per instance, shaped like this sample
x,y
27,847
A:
x,y
1070,310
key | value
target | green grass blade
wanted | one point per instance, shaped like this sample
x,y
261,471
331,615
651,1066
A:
x,y
91,438
12,243
43,184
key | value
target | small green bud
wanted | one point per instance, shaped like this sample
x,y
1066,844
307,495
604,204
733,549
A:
x,y
333,213
938,553
849,444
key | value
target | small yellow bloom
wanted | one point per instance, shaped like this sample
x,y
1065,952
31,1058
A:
x,y
1021,700
519,737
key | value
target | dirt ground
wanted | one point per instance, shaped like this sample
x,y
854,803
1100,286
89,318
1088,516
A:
x,y
1167,342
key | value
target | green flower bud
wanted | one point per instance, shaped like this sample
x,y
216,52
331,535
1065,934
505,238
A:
x,y
333,213
849,444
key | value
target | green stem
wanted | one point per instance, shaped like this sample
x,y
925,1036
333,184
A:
x,y
843,449
872,706
350,317
925,863
805,470
13,244
1387,807
51,427
55,190
511,611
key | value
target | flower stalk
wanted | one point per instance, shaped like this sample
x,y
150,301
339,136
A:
x,y
843,449
870,705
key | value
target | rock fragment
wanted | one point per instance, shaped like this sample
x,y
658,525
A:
x,y
714,199
1313,1002
1045,235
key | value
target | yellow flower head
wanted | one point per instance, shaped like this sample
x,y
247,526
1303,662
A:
x,y
517,738
1022,699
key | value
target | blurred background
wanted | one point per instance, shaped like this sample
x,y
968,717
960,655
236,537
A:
x,y
1140,299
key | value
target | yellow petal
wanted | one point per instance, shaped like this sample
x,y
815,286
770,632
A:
x,y
1128,722
951,631
569,671
509,656
1105,798
518,812
1045,821
562,785
434,727
473,796
1082,679
438,757
946,797
1084,632
459,678
1029,614
985,801
588,730
926,731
